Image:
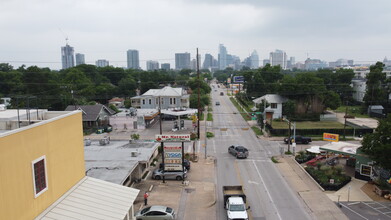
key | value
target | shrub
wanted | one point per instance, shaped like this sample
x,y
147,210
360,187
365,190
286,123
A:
x,y
209,134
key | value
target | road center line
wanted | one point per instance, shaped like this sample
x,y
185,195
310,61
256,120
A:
x,y
267,191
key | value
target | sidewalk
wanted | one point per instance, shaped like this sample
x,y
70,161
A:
x,y
321,207
194,199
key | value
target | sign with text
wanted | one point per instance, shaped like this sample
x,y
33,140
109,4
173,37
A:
x,y
173,158
365,170
330,137
238,79
173,138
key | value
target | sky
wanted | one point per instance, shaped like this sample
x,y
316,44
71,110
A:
x,y
32,32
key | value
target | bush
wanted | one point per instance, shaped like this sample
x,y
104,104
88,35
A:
x,y
209,134
323,174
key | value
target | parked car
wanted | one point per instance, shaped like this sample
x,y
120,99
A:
x,y
217,103
298,140
238,151
166,117
169,175
155,212
186,164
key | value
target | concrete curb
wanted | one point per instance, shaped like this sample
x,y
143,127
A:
x,y
320,187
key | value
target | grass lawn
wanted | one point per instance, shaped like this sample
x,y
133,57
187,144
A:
x,y
352,110
209,117
245,116
308,124
257,130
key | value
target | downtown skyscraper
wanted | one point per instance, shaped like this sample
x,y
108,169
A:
x,y
133,59
222,57
80,59
182,61
67,57
278,58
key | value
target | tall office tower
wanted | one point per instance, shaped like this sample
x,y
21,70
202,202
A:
x,y
182,61
80,59
254,60
67,57
165,66
208,61
222,57
152,65
278,58
102,63
133,59
193,63
290,63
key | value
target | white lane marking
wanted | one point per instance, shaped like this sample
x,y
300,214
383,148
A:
x,y
253,182
214,146
353,211
199,147
267,191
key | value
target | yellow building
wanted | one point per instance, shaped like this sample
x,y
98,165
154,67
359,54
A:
x,y
42,170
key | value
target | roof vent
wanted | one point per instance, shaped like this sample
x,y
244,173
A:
x,y
134,153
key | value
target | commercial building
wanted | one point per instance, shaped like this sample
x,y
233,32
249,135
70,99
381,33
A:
x,y
67,57
278,58
102,63
133,59
80,59
182,61
165,66
43,170
254,60
222,57
152,65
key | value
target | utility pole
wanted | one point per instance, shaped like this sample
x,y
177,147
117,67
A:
x,y
161,143
289,137
199,102
344,125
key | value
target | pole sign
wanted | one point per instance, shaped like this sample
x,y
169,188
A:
x,y
173,158
173,138
330,137
238,79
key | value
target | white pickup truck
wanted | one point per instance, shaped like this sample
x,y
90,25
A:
x,y
235,202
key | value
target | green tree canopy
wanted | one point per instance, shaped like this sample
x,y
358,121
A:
x,y
378,144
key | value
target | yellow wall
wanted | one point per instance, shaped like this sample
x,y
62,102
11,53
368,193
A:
x,y
61,141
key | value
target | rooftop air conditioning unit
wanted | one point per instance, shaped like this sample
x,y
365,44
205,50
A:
x,y
134,153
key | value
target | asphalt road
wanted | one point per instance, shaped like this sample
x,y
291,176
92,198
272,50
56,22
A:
x,y
267,192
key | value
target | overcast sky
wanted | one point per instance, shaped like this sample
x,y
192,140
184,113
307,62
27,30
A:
x,y
33,31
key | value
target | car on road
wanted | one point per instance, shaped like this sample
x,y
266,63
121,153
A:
x,y
186,164
155,212
238,151
298,140
217,103
169,175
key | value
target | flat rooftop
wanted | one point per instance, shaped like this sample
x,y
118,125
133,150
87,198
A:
x,y
115,161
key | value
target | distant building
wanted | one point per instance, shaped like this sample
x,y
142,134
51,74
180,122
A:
x,y
170,98
222,59
80,59
208,61
133,59
165,66
266,61
254,60
193,63
278,58
291,63
152,65
102,63
182,61
314,64
67,57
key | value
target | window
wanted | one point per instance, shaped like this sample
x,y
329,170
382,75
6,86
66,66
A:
x,y
39,176
143,101
174,101
273,105
157,101
150,101
170,101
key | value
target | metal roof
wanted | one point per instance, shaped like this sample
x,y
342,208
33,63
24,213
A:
x,y
92,199
271,98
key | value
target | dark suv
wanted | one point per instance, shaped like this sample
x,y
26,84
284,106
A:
x,y
186,164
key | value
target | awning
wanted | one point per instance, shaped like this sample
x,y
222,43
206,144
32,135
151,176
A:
x,y
341,148
92,199
314,149
178,113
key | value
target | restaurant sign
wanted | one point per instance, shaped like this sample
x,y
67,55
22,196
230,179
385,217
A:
x,y
173,138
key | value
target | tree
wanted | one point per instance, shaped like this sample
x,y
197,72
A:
x,y
376,93
378,145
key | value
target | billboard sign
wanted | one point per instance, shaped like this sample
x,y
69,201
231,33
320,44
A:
x,y
173,138
172,158
238,79
330,137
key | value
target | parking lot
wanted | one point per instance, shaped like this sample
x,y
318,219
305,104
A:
x,y
367,210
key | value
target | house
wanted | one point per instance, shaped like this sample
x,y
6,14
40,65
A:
x,y
94,116
43,171
359,86
275,101
117,102
376,111
170,98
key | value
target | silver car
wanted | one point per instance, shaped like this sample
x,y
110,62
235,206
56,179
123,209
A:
x,y
155,212
173,175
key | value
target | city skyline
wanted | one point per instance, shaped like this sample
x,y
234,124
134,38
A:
x,y
352,29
